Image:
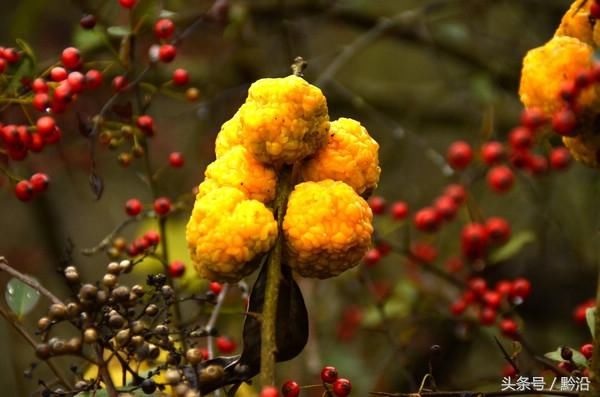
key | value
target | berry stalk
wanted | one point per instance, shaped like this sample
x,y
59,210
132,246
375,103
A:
x,y
268,345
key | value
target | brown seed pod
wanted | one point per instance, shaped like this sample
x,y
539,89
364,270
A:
x,y
138,290
90,335
194,356
151,310
57,311
119,243
161,329
116,321
44,323
57,346
73,309
109,280
172,376
71,274
212,373
101,297
181,389
153,351
120,294
74,345
167,291
122,337
88,292
43,351
126,266
137,340
137,327
113,253
113,268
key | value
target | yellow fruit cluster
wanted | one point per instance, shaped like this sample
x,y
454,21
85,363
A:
x,y
284,122
560,60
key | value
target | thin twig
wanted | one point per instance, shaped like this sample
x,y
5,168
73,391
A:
x,y
28,280
12,321
212,321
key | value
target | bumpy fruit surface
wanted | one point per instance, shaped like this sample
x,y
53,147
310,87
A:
x,y
284,120
327,228
229,136
237,168
226,231
350,155
585,147
576,23
546,68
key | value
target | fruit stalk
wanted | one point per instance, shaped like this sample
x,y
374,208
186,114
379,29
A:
x,y
268,346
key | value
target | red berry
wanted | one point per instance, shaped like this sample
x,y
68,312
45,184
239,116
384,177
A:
x,y
87,21
587,350
71,58
63,92
474,241
41,102
538,165
164,28
11,55
119,83
458,307
456,192
520,138
459,155
427,220
36,143
595,10
492,299
509,371
53,137
521,288
176,160
504,287
176,269
384,248
58,74
564,122
569,91
93,79
454,264
167,52
399,210
45,125
269,391
532,118
127,3
579,314
560,158
2,65
133,207
498,230
225,344
146,124
39,86
423,252
329,374
377,205
477,285
509,328
492,152
342,387
215,287
500,178
181,77
162,206
24,190
39,182
372,257
446,207
76,81
487,316
152,237
290,389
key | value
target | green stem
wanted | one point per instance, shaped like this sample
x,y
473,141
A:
x,y
268,346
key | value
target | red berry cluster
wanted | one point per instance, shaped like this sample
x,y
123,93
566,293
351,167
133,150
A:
x,y
26,189
487,302
444,208
477,238
332,383
143,244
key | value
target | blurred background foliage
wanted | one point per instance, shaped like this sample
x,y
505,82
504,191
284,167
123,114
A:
x,y
419,74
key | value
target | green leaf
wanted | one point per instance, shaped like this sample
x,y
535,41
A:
x,y
26,68
27,51
578,358
166,14
87,40
118,31
20,297
513,247
590,318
